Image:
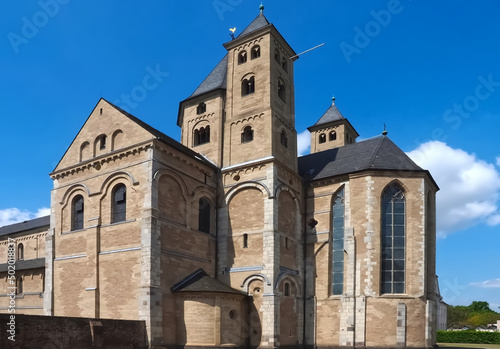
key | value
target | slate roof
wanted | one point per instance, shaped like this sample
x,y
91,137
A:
x,y
218,76
200,281
378,153
25,264
330,115
26,225
259,22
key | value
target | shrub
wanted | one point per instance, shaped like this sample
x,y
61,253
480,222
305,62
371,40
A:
x,y
469,336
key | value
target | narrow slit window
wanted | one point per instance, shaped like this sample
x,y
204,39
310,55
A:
x,y
20,251
277,56
19,285
284,64
287,289
102,142
283,139
281,90
245,240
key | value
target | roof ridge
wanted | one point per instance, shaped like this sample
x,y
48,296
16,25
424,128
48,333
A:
x,y
188,280
375,151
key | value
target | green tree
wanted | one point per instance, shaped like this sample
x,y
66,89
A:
x,y
477,306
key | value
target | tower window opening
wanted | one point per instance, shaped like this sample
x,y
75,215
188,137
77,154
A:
x,y
202,107
277,56
322,138
332,136
284,139
102,142
242,57
248,86
202,135
281,90
247,134
284,64
255,51
204,216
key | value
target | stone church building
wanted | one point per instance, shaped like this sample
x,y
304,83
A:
x,y
228,238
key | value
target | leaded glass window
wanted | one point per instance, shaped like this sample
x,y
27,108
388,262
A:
x,y
77,214
119,210
393,240
338,219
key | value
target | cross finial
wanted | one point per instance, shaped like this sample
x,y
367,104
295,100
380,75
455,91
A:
x,y
384,133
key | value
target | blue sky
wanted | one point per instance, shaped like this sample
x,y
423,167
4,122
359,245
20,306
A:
x,y
427,69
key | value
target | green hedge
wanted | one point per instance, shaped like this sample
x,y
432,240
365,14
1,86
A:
x,y
470,336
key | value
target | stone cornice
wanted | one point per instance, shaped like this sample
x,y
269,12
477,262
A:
x,y
98,161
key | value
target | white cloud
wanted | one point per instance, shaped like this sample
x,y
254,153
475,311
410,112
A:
x,y
495,283
303,142
498,161
14,215
470,187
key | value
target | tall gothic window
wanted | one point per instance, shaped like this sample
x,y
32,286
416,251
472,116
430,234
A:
x,y
119,208
77,214
393,240
248,86
338,215
204,216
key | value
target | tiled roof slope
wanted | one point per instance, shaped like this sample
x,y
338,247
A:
x,y
331,114
200,281
259,22
40,222
378,153
215,80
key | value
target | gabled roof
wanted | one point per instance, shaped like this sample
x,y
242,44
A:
x,y
200,281
259,22
378,153
36,223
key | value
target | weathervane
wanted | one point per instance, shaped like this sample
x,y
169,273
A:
x,y
232,30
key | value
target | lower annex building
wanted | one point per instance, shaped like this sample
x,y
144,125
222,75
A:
x,y
228,238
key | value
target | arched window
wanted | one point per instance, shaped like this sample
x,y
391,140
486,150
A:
x,y
247,134
284,64
255,51
322,138
19,285
281,90
202,135
204,216
277,56
393,240
286,289
248,86
20,251
338,218
242,57
119,208
202,107
332,136
283,139
77,213
102,142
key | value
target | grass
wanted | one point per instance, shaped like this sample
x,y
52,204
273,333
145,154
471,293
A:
x,y
468,345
